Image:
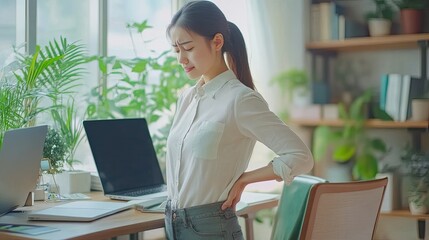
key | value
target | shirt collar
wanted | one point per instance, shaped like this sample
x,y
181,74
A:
x,y
215,84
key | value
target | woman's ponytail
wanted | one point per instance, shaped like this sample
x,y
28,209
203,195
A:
x,y
237,60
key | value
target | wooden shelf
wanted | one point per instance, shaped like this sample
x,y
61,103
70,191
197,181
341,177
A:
x,y
372,123
369,43
405,214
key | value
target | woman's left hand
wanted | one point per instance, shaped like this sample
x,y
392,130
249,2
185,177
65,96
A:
x,y
234,195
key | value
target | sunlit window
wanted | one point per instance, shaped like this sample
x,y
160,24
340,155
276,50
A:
x,y
125,43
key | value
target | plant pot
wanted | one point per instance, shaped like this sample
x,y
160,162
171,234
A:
x,y
417,203
379,27
411,21
301,96
73,182
420,109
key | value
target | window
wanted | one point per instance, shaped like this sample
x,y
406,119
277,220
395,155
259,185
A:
x,y
121,42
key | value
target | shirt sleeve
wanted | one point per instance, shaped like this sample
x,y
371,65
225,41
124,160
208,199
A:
x,y
255,120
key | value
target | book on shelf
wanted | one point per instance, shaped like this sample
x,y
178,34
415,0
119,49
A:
x,y
396,93
350,28
324,20
393,95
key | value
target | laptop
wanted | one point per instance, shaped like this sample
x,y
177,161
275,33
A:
x,y
20,158
125,159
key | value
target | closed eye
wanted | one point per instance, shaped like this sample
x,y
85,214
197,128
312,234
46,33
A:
x,y
189,49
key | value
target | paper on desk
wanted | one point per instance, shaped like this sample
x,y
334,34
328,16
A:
x,y
26,229
251,198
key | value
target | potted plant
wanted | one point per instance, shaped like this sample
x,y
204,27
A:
x,y
21,90
380,20
417,169
294,85
62,82
350,145
411,15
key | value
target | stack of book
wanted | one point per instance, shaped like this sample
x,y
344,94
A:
x,y
328,22
396,93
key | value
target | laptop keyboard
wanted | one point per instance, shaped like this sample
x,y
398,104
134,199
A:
x,y
142,192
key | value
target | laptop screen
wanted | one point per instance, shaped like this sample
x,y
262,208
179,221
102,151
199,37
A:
x,y
123,153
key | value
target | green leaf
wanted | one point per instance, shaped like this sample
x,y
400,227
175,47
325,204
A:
x,y
321,139
139,67
367,166
380,114
379,145
344,153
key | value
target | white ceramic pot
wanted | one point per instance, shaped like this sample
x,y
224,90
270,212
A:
x,y
73,182
379,27
417,203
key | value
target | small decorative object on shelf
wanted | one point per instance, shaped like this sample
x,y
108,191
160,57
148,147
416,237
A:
x,y
380,20
420,109
417,169
411,15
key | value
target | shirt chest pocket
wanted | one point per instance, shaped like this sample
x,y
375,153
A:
x,y
206,140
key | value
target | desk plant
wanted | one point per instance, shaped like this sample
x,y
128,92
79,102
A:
x,y
411,15
21,91
417,168
293,84
350,142
59,78
380,20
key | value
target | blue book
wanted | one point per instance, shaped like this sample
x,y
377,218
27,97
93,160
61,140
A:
x,y
383,91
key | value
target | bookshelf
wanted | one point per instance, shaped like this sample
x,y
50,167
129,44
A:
x,y
421,219
369,43
321,54
371,123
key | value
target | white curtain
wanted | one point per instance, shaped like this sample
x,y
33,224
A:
x,y
276,43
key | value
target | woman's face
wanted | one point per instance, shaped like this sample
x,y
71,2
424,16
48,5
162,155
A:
x,y
196,54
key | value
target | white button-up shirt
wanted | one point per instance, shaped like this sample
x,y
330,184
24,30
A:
x,y
212,137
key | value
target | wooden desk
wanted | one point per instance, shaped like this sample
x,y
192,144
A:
x,y
127,222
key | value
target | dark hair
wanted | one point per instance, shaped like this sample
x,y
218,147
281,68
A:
x,y
206,19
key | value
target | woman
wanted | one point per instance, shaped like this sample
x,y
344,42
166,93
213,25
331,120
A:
x,y
216,125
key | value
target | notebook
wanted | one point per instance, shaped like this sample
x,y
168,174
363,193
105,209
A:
x,y
20,158
125,159
80,211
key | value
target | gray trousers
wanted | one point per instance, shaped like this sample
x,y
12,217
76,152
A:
x,y
201,222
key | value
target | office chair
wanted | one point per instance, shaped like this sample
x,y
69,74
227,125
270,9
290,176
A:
x,y
336,211
291,208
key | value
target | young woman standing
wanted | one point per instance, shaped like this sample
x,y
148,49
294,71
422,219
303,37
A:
x,y
216,125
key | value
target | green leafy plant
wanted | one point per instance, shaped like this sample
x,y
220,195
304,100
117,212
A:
x,y
411,4
71,130
22,90
59,78
417,167
350,142
383,10
55,150
139,87
289,82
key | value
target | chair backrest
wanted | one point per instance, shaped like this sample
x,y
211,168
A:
x,y
292,205
343,210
